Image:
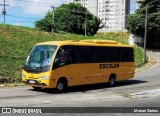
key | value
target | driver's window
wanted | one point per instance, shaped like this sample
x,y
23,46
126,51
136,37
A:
x,y
63,57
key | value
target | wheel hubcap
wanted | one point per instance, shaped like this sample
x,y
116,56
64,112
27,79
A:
x,y
111,81
60,86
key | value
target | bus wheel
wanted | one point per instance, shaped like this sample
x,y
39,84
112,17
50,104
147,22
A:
x,y
61,86
37,88
112,80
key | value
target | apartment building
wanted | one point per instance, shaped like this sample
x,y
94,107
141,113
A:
x,y
91,5
112,12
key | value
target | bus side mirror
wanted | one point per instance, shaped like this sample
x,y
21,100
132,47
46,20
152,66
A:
x,y
56,61
55,64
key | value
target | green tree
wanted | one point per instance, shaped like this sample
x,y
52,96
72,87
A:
x,y
136,22
70,18
46,23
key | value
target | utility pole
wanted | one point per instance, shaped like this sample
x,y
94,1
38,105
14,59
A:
x,y
4,10
86,23
53,19
97,8
145,33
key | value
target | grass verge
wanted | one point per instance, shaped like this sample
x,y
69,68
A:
x,y
17,41
126,95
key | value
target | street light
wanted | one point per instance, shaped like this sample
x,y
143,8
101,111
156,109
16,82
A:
x,y
145,33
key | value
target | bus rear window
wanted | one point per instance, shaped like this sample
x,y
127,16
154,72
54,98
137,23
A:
x,y
127,55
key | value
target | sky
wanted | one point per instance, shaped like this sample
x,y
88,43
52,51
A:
x,y
26,12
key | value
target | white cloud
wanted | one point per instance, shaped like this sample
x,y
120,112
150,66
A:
x,y
34,7
34,10
39,7
18,24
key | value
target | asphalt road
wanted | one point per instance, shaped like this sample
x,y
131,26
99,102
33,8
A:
x,y
91,95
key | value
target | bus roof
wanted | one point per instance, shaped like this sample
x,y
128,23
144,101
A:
x,y
93,42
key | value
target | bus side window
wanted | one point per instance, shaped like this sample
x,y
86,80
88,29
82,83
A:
x,y
127,55
114,54
74,54
65,57
101,54
86,54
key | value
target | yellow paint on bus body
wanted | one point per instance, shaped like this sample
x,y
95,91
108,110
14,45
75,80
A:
x,y
81,73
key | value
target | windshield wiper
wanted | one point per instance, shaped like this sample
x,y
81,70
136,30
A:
x,y
40,67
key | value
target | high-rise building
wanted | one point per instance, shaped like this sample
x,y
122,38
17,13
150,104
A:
x,y
91,5
137,4
112,12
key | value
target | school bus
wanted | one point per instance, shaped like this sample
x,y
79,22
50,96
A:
x,y
60,64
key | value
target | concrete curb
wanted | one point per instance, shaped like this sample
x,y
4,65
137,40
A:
x,y
12,85
151,62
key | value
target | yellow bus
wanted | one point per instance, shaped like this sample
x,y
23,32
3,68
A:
x,y
60,64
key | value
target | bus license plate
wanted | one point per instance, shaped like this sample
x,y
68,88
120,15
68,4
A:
x,y
31,81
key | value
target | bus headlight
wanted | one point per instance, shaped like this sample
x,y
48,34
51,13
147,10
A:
x,y
44,77
23,76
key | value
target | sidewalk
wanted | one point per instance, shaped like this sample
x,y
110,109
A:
x,y
151,61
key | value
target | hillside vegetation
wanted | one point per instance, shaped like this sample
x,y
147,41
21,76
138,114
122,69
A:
x,y
15,43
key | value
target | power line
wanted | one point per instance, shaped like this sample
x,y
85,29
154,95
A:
x,y
150,15
19,22
40,5
21,17
35,2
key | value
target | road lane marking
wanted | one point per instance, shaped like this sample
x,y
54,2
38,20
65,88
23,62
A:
x,y
153,92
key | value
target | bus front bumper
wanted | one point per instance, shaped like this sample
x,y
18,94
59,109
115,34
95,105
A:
x,y
36,83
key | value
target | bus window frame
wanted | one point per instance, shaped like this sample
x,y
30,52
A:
x,y
75,51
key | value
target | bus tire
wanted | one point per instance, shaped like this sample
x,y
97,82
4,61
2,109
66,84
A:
x,y
37,88
61,85
111,81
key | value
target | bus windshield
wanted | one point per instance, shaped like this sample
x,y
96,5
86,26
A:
x,y
40,58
